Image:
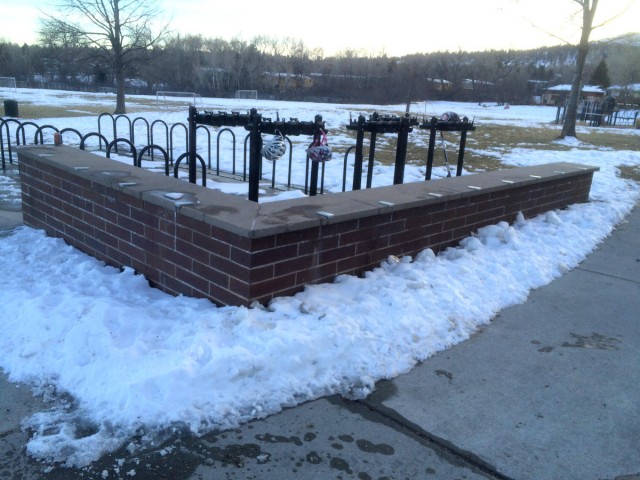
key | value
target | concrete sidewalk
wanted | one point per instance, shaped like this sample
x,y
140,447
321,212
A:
x,y
549,390
10,208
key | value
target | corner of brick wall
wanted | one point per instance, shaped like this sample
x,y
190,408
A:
x,y
184,254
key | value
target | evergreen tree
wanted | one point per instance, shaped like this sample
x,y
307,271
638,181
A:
x,y
600,76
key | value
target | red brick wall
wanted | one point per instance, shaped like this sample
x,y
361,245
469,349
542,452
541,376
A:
x,y
241,252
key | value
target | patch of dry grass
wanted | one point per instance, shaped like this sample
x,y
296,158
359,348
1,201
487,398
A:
x,y
30,110
92,106
632,173
489,142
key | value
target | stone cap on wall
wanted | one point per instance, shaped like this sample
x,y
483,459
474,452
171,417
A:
x,y
254,220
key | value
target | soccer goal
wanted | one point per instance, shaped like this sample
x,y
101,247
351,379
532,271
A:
x,y
163,94
250,94
8,82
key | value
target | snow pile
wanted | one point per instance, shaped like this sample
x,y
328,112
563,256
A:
x,y
132,361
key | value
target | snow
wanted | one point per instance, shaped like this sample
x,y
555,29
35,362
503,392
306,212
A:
x,y
585,88
120,360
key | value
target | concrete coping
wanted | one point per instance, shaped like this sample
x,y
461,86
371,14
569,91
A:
x,y
254,220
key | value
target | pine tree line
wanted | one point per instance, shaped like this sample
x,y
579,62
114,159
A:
x,y
287,69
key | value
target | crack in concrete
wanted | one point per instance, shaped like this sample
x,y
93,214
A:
x,y
374,411
609,274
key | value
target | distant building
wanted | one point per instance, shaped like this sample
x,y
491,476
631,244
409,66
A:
x,y
558,94
631,91
289,81
439,84
470,84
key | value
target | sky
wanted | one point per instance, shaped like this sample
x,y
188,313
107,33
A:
x,y
412,26
65,321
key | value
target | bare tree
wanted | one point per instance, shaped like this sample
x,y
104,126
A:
x,y
115,29
588,13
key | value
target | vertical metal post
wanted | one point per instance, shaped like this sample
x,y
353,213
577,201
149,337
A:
x,y
313,182
357,169
401,151
432,147
2,124
463,142
317,138
255,155
192,144
372,153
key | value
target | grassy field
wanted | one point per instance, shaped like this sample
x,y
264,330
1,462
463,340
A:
x,y
484,145
89,106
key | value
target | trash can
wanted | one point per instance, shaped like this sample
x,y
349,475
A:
x,y
11,108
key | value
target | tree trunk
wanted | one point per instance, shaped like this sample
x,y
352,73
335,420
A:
x,y
119,68
120,102
571,114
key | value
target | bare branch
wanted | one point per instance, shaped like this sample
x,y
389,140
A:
x,y
116,28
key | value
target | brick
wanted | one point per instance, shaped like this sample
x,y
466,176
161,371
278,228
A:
x,y
373,244
81,225
72,187
131,225
296,237
193,280
184,233
98,247
144,242
320,274
415,234
223,296
131,201
454,223
440,238
192,251
158,211
211,274
60,194
264,257
188,222
338,228
74,233
123,209
132,251
295,264
118,232
167,226
212,244
145,218
410,213
267,287
228,237
233,269
240,256
457,203
160,264
358,263
375,220
336,254
311,247
174,286
108,215
160,238
175,257
414,247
